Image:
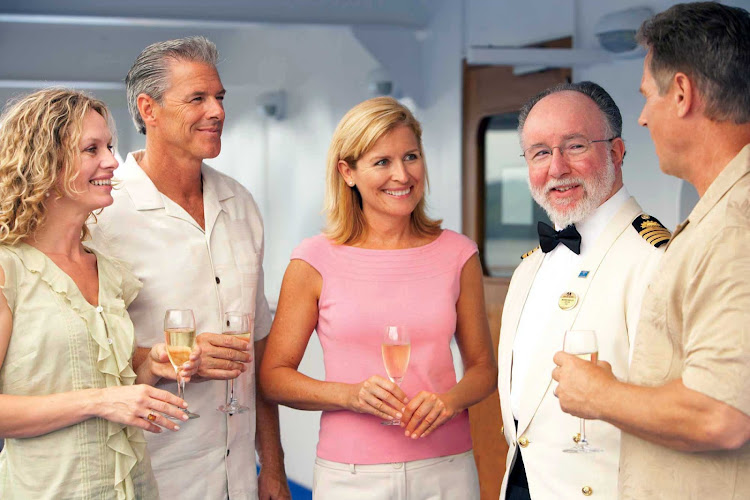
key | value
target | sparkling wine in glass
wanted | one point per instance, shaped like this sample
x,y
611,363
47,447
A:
x,y
582,343
396,350
179,335
240,326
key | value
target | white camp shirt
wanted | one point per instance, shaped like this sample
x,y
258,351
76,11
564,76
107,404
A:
x,y
212,271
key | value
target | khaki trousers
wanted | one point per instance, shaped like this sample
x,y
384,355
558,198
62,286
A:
x,y
442,478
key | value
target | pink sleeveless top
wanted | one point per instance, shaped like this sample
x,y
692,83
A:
x,y
363,292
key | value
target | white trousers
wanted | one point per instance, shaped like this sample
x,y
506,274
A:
x,y
442,478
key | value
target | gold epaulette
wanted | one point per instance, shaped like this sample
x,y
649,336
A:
x,y
652,230
529,253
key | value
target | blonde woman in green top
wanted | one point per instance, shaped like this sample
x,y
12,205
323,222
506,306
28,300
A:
x,y
70,414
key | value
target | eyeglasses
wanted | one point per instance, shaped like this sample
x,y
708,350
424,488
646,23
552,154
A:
x,y
541,156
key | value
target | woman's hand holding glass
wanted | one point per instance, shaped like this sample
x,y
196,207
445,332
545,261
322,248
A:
x,y
426,412
377,396
140,406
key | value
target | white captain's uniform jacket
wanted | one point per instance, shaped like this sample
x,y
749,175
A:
x,y
603,289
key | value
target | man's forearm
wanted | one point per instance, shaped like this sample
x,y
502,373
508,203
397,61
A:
x,y
267,434
672,415
142,367
140,355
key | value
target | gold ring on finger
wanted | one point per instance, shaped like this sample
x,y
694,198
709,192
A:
x,y
151,417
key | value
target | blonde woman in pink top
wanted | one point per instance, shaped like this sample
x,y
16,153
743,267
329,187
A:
x,y
382,261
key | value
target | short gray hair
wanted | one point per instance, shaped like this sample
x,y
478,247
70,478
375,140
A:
x,y
604,101
150,72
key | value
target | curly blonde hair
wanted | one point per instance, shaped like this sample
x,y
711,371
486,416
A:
x,y
355,135
39,136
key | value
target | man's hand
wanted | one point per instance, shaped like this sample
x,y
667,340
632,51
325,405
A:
x,y
161,367
272,484
223,356
581,384
152,365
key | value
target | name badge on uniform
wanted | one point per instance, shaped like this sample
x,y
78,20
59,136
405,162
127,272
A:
x,y
568,300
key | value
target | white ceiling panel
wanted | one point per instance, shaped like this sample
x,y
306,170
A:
x,y
406,13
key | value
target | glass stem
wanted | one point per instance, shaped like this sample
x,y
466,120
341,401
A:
x,y
231,391
180,387
583,441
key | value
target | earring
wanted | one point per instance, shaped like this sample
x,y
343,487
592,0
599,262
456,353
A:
x,y
351,183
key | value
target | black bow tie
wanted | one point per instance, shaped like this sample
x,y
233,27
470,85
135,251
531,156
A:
x,y
549,238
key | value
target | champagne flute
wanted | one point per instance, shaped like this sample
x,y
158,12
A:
x,y
582,343
240,326
396,350
179,333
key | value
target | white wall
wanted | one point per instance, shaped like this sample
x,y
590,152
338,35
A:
x,y
440,113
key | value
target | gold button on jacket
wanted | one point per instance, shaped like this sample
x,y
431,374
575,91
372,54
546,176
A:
x,y
523,441
587,491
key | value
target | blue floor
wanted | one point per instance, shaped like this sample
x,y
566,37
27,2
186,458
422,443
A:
x,y
299,492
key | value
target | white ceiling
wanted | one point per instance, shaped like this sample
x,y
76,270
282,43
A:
x,y
95,42
407,13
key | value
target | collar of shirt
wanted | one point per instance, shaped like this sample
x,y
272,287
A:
x,y
592,226
733,172
146,196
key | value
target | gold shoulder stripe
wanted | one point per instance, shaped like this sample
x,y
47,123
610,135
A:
x,y
529,253
652,230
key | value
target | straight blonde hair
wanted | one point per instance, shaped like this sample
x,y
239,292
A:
x,y
354,136
39,136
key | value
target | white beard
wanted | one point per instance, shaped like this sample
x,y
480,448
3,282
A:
x,y
595,192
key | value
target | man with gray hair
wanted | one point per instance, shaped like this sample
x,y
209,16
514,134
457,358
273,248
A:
x,y
685,410
194,237
590,274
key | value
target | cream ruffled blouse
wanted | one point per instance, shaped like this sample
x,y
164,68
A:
x,y
60,343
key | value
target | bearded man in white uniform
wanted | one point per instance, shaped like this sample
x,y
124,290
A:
x,y
589,273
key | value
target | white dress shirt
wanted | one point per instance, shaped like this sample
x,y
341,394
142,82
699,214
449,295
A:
x,y
550,283
211,272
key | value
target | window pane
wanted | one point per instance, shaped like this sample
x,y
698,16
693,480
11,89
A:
x,y
510,212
